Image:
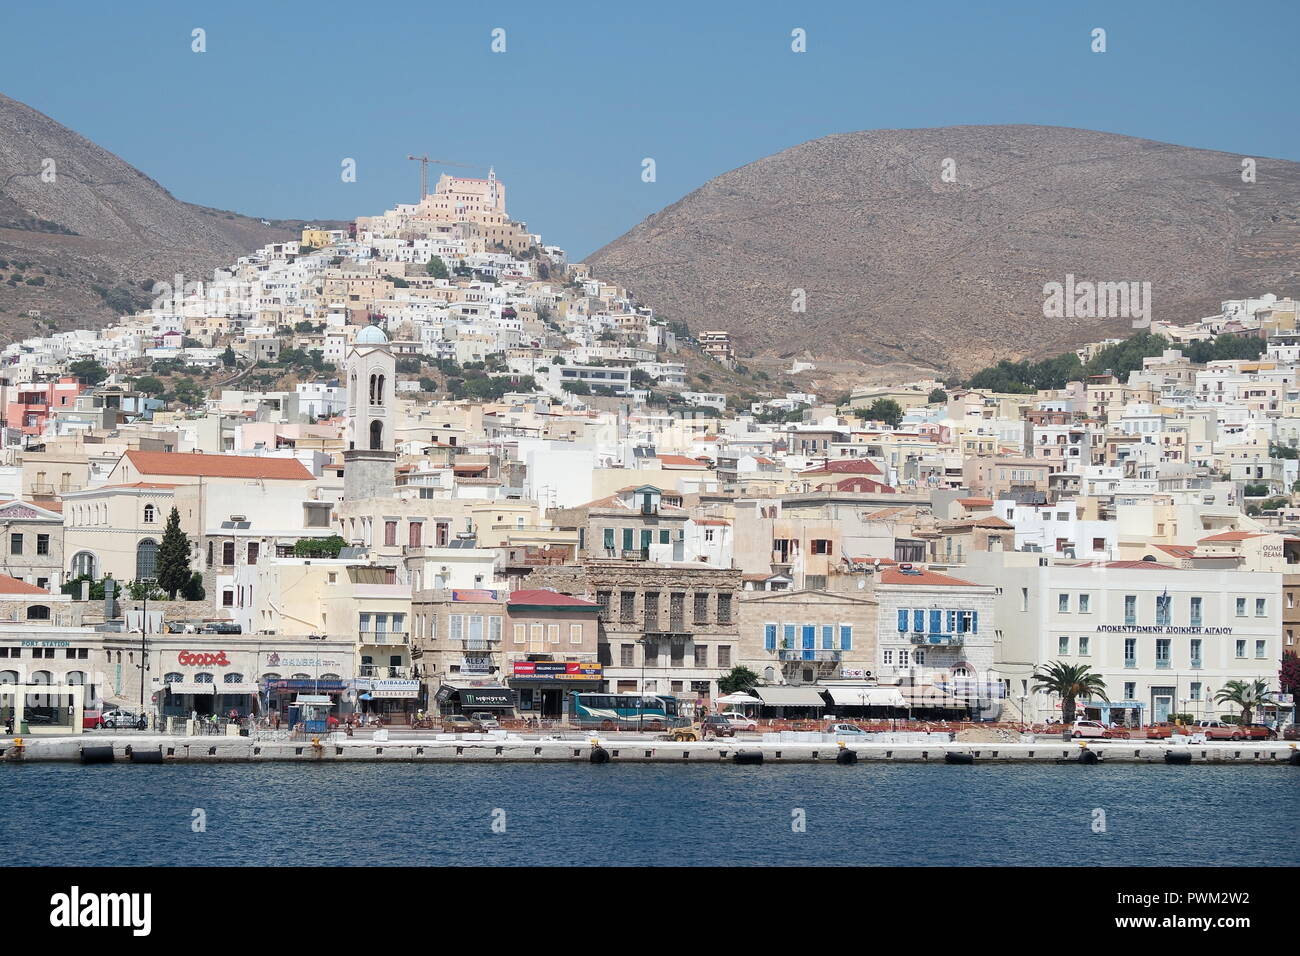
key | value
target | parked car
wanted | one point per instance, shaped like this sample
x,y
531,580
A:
x,y
1162,731
740,721
485,720
90,718
1258,732
121,720
1217,730
717,725
458,724
1091,729
845,730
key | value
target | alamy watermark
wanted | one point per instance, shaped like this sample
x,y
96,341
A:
x,y
1085,299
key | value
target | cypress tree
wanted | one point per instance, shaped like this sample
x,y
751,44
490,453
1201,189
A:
x,y
174,557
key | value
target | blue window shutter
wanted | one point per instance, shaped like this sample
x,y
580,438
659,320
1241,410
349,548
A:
x,y
952,622
846,637
918,620
769,637
936,622
974,622
809,641
828,637
903,615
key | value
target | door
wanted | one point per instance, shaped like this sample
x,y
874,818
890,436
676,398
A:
x,y
552,703
809,641
1161,707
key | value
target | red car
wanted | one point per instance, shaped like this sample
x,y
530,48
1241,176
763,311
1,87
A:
x,y
1258,732
1160,731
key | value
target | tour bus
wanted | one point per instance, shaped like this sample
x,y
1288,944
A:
x,y
624,711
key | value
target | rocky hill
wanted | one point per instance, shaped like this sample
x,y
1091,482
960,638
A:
x,y
901,267
85,237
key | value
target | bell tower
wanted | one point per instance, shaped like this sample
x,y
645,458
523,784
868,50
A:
x,y
370,457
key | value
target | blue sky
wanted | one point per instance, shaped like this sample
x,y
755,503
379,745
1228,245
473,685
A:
x,y
261,121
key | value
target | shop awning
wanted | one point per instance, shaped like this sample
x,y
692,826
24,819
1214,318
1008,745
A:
x,y
245,688
790,696
867,697
191,688
489,698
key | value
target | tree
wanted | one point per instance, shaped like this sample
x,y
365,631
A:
x,y
577,388
883,410
1289,675
1069,682
174,556
739,680
88,371
436,268
319,547
1246,695
193,589
150,385
937,396
228,357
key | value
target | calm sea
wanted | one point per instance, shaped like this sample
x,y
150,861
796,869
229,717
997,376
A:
x,y
575,814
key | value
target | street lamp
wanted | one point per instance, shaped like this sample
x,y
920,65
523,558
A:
x,y
1022,699
640,700
144,654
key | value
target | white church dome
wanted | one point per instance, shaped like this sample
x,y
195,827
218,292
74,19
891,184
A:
x,y
371,335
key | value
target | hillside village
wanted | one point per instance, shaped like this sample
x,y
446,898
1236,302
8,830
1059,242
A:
x,y
426,463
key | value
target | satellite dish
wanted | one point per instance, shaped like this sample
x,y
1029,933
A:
x,y
862,583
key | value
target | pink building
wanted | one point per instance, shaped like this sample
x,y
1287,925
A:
x,y
33,404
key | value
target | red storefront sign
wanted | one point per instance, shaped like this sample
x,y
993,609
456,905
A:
x,y
203,659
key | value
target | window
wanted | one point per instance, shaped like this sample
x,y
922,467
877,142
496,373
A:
x,y
228,598
846,637
769,637
150,514
1130,690
724,608
520,632
627,605
821,546
456,627
1196,652
724,655
575,633
1241,649
1261,647
1063,603
1130,652
42,544
1195,612
1130,608
609,539
415,534
1024,599
253,550
15,543
1063,645
390,533
701,655
701,607
1163,603
1261,607
1162,652
553,633
1085,603
1195,692
1083,647
1241,607
146,560
889,657
625,655
39,612
228,553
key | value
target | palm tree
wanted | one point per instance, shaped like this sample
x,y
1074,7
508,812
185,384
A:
x,y
1070,681
1245,695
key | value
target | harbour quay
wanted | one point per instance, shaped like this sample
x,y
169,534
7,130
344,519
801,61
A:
x,y
598,749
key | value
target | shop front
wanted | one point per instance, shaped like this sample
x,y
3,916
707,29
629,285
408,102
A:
x,y
544,686
207,682
454,699
279,694
394,699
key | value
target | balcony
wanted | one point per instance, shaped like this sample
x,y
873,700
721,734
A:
x,y
383,637
938,640
384,671
808,654
1196,663
1130,663
1163,665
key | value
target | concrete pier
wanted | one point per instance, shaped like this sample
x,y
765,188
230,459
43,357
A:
x,y
600,749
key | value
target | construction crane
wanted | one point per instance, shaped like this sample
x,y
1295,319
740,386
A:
x,y
424,162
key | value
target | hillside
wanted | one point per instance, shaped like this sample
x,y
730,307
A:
x,y
901,268
100,224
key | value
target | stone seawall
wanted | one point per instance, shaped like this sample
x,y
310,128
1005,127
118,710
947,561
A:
x,y
326,748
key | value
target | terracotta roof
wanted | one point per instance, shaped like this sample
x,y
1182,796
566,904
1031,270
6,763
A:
x,y
549,599
844,466
680,460
721,521
1177,550
10,585
217,466
992,521
975,502
926,577
1231,536
1129,565
856,482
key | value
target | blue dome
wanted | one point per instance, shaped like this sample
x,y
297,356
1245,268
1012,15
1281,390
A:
x,y
372,335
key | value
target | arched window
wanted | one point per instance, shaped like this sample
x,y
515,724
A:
x,y
233,679
38,612
74,678
330,677
376,435
301,677
85,564
8,677
174,678
271,676
379,393
146,560
374,379
150,513
204,678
